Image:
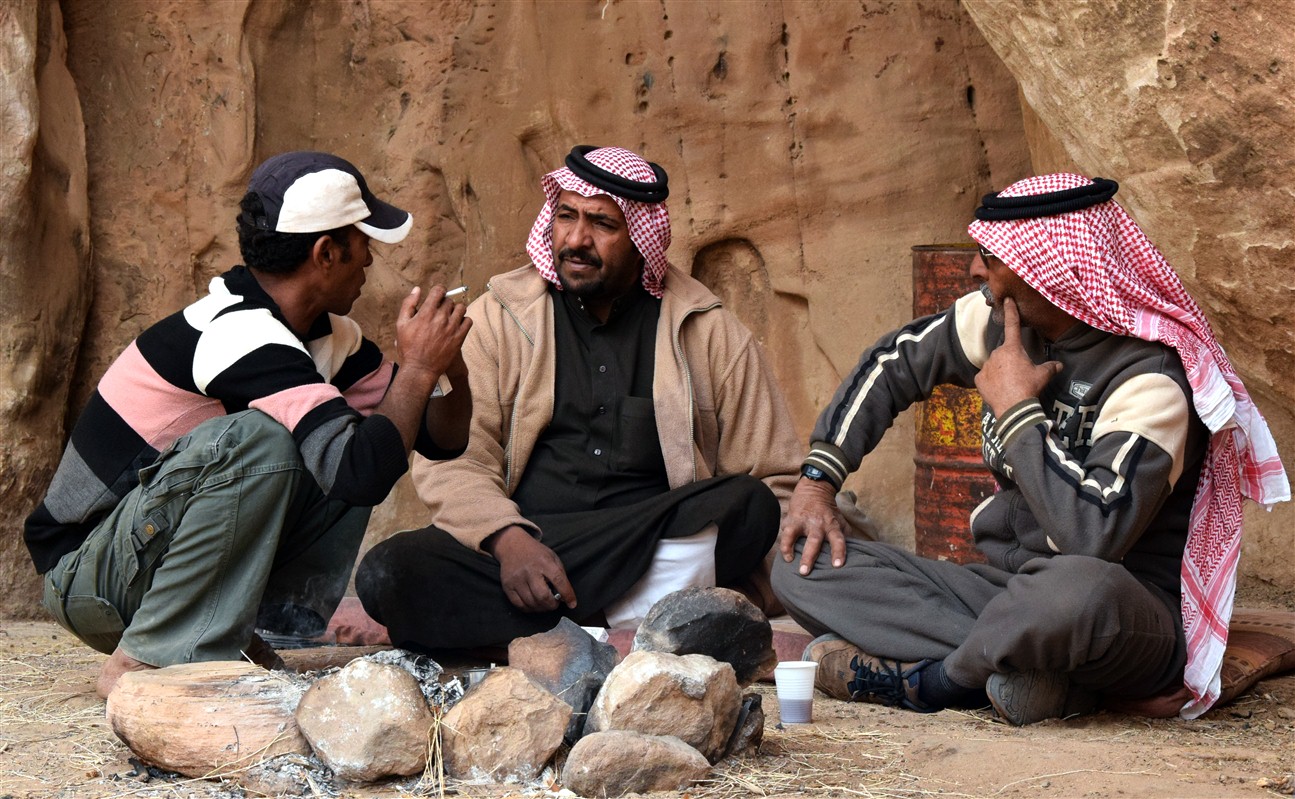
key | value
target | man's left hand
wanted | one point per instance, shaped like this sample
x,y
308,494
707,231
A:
x,y
1009,375
812,515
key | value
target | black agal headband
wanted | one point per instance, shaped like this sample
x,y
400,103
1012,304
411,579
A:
x,y
994,208
640,190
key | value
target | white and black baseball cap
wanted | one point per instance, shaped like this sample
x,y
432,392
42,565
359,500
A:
x,y
308,192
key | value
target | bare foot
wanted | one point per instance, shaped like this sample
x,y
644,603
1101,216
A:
x,y
117,664
263,655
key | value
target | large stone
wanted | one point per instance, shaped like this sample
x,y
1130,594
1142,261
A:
x,y
207,719
777,166
711,621
367,721
809,146
505,729
569,663
46,286
692,697
1188,106
619,762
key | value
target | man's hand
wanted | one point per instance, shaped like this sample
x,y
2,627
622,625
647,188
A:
x,y
812,515
430,336
1009,376
429,340
531,574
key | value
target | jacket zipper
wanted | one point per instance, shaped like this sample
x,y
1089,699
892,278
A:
x,y
687,376
512,419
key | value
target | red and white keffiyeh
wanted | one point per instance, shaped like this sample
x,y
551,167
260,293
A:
x,y
1097,265
649,223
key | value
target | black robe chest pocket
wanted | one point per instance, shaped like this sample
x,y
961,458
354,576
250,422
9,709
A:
x,y
638,447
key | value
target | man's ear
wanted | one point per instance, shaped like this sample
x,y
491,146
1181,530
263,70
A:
x,y
325,251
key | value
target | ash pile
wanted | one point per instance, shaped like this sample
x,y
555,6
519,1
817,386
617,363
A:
x,y
566,713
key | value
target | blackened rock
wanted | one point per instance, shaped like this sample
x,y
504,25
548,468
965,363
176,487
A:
x,y
748,734
570,663
711,621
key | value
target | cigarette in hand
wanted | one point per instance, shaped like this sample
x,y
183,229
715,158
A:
x,y
452,293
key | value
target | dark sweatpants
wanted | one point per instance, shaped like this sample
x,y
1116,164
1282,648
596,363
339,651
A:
x,y
1087,617
432,592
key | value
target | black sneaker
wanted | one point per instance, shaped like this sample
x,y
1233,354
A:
x,y
848,673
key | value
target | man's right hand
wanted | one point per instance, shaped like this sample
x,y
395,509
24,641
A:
x,y
429,338
1010,376
812,515
532,576
430,335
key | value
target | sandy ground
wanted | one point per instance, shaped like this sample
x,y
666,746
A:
x,y
55,742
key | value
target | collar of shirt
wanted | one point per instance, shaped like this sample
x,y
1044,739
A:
x,y
241,281
636,296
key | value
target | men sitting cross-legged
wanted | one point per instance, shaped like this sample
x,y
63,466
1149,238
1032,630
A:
x,y
1121,439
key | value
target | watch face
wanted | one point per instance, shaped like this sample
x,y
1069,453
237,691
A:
x,y
812,472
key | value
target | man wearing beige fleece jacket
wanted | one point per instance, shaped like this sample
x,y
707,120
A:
x,y
628,437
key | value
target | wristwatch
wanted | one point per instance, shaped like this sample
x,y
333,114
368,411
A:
x,y
814,473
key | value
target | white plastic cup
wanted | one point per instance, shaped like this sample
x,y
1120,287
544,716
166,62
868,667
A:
x,y
795,681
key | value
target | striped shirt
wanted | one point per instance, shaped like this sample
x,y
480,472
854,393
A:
x,y
230,351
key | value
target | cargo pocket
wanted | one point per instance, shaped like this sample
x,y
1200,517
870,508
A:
x,y
163,496
158,487
147,543
94,621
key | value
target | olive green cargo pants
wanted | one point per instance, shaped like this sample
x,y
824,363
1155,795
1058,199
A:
x,y
226,532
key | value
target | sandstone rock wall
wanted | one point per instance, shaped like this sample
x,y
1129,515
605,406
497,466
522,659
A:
x,y
1187,104
809,145
44,268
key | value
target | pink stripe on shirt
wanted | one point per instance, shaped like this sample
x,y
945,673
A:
x,y
290,406
159,411
367,392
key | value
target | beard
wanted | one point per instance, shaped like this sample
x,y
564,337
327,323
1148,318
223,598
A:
x,y
996,307
591,287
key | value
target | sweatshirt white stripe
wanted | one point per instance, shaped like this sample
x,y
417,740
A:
x,y
877,369
1118,466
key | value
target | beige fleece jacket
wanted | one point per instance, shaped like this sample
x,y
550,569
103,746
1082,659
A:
x,y
719,410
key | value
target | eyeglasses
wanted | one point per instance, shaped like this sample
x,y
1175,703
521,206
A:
x,y
986,254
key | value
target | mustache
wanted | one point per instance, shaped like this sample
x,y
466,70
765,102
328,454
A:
x,y
588,256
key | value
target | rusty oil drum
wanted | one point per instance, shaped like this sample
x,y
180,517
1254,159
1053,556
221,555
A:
x,y
950,479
